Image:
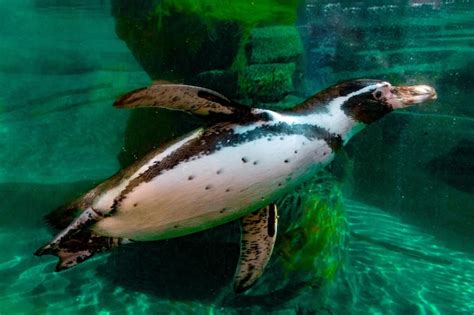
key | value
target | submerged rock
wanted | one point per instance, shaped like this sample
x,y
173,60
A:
x,y
268,82
223,81
274,44
173,43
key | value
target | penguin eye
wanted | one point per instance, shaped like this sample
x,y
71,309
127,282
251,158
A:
x,y
378,94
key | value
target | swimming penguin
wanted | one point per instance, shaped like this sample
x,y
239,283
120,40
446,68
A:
x,y
234,169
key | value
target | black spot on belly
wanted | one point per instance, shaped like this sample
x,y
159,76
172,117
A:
x,y
222,210
190,177
219,172
176,226
227,190
255,162
135,204
208,187
296,151
286,161
223,135
280,184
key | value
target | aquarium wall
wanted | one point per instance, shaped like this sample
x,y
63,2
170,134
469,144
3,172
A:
x,y
386,228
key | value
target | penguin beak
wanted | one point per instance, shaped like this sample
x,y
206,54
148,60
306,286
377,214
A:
x,y
405,96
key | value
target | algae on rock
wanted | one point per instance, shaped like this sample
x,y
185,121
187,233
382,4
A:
x,y
178,39
309,250
274,44
268,82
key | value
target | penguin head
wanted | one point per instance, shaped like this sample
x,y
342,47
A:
x,y
369,100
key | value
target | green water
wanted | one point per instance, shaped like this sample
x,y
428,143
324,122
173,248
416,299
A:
x,y
405,244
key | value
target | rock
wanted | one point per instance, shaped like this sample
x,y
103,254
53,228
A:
x,y
309,251
268,82
274,44
149,128
175,44
222,81
286,103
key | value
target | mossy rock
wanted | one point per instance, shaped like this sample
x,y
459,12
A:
x,y
268,82
287,103
176,40
222,81
148,128
274,44
175,44
309,251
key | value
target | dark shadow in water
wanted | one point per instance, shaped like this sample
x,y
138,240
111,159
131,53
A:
x,y
456,168
184,268
23,205
199,267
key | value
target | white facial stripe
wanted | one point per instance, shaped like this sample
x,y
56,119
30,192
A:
x,y
335,120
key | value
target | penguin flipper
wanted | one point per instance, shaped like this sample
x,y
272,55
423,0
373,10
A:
x,y
193,99
257,240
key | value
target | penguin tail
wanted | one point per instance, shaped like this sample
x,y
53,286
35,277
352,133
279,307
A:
x,y
77,249
77,242
61,217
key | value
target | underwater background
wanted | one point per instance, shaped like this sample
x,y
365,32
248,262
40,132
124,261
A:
x,y
388,228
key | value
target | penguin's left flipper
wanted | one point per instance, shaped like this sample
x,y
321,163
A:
x,y
258,238
192,99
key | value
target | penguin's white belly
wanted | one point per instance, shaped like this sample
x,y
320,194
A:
x,y
215,188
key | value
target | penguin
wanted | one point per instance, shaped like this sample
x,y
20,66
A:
x,y
234,168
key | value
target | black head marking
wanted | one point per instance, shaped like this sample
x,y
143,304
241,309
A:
x,y
365,107
319,101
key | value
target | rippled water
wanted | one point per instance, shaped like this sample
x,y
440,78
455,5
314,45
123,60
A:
x,y
406,181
